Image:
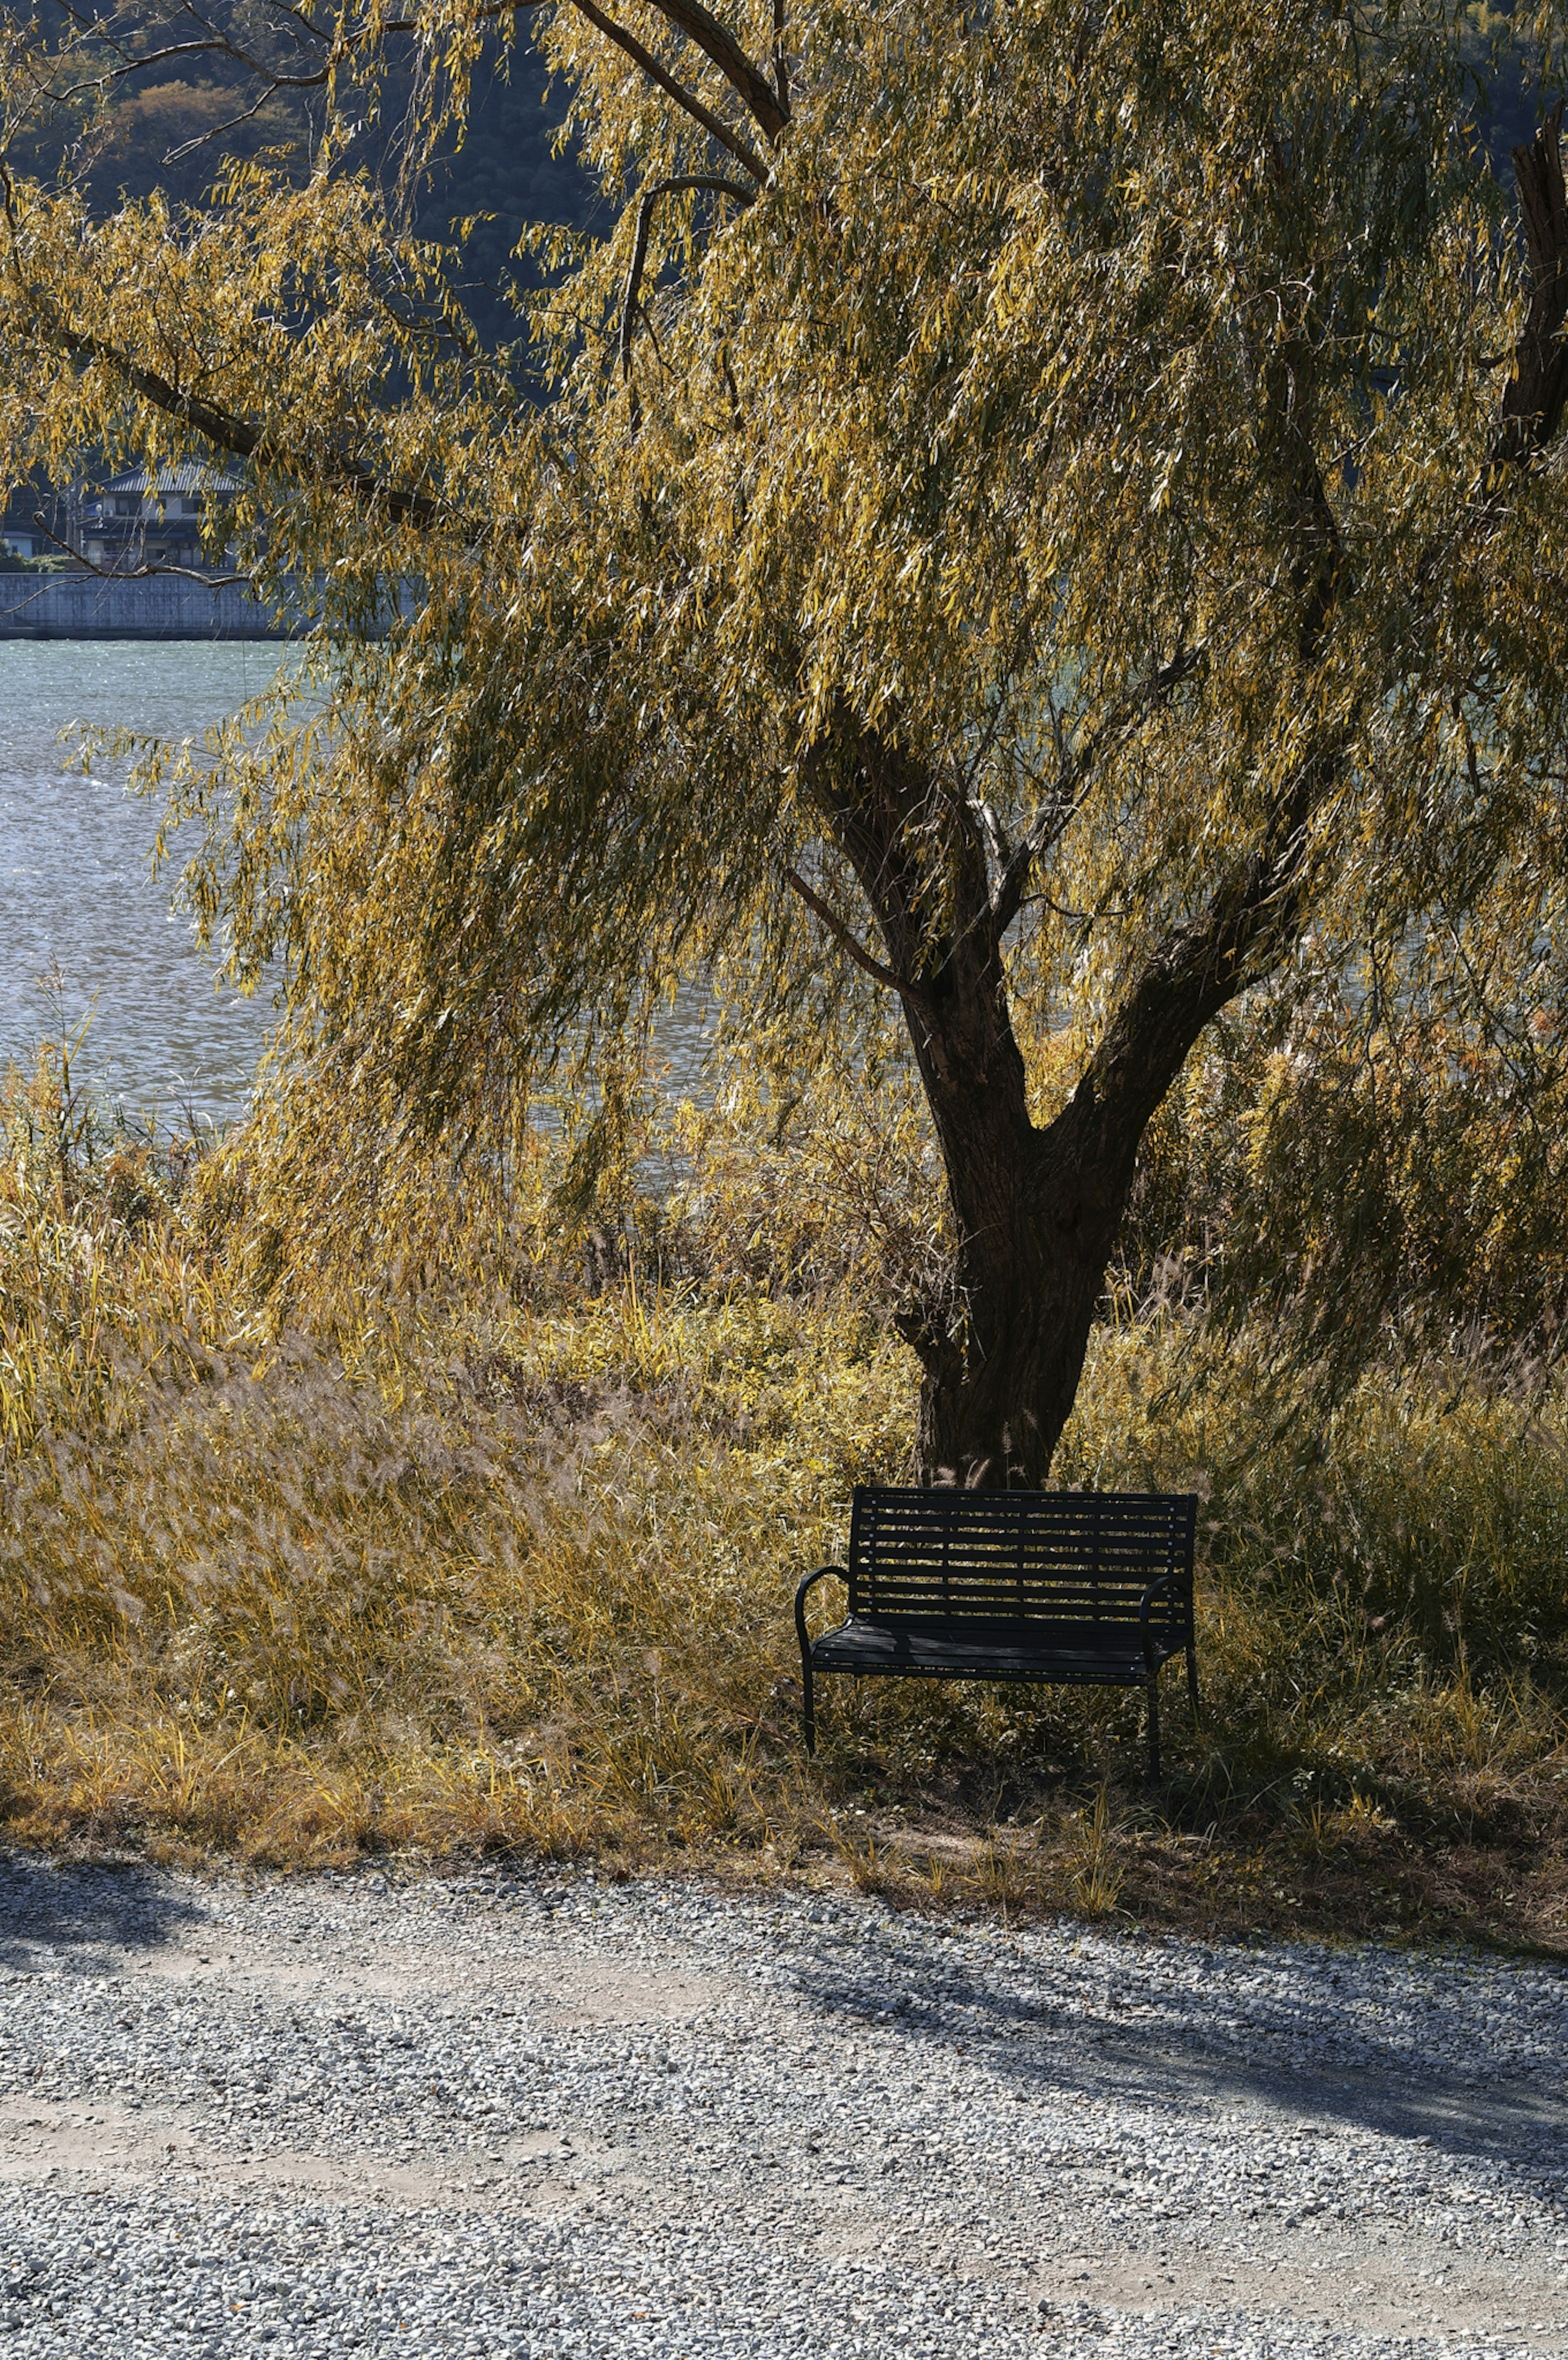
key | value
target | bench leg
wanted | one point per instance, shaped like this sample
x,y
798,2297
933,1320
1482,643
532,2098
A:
x,y
1153,1727
808,1706
1193,1681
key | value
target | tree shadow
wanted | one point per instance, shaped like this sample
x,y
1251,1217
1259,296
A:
x,y
83,1919
1253,2029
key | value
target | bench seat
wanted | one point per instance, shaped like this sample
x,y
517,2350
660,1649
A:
x,y
1087,1588
1069,1653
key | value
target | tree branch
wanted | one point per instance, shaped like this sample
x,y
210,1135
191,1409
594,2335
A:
x,y
219,130
650,197
720,46
214,46
300,17
242,439
847,941
1533,399
145,572
1013,883
685,99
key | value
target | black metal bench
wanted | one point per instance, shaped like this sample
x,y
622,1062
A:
x,y
1091,1588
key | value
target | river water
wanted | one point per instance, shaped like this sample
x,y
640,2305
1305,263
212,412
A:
x,y
77,901
77,896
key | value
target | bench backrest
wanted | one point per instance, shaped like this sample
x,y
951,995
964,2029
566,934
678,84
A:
x,y
1030,1556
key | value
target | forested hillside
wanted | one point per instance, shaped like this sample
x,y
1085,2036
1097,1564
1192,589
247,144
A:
x,y
171,123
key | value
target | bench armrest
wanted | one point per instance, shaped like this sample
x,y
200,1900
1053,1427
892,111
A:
x,y
1166,1585
806,1582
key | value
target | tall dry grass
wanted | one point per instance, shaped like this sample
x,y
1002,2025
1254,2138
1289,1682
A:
x,y
480,1553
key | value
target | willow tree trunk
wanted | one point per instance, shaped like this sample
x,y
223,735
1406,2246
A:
x,y
1036,1210
1001,1370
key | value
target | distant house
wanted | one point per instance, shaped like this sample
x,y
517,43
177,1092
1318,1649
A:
x,y
33,512
156,520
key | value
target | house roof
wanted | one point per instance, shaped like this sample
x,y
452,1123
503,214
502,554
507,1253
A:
x,y
188,478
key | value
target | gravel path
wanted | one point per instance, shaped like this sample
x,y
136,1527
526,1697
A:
x,y
552,2117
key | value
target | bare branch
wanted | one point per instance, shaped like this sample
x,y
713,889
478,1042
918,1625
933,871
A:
x,y
1074,783
748,80
650,197
243,440
216,45
217,131
685,99
300,17
847,941
219,44
145,573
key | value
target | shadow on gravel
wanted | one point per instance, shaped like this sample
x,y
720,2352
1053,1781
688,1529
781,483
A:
x,y
84,1918
1205,2048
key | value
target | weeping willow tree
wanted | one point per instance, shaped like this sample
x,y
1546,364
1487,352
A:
x,y
1048,510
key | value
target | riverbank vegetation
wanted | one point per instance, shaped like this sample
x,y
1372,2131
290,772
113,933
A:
x,y
1020,569
493,1546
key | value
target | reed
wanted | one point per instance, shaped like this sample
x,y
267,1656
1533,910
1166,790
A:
x,y
436,1563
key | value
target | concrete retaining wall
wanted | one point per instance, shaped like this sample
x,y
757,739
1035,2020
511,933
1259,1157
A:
x,y
87,606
